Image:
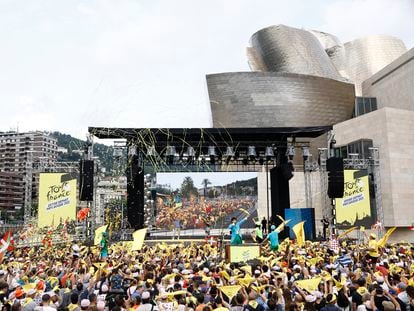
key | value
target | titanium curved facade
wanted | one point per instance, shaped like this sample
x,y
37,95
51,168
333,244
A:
x,y
327,40
264,99
368,55
291,50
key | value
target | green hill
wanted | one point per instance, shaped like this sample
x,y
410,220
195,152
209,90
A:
x,y
76,146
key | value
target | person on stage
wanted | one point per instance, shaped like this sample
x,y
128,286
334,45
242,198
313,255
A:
x,y
264,225
273,237
258,231
234,227
104,246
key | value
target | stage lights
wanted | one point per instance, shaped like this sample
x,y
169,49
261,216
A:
x,y
212,154
251,153
306,153
170,155
290,152
216,155
269,153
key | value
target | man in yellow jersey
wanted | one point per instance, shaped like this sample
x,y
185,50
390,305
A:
x,y
373,249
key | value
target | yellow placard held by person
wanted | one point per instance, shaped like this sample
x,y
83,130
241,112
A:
x,y
98,234
139,237
309,285
57,200
230,291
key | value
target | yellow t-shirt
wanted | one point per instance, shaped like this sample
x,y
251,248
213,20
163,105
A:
x,y
221,309
374,245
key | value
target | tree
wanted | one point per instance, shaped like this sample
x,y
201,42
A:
x,y
187,187
205,184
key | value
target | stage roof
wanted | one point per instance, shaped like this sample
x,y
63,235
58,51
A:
x,y
218,136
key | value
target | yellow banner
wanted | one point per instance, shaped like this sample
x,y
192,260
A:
x,y
230,291
309,285
139,237
57,200
244,253
354,208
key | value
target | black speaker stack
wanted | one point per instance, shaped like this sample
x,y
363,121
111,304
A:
x,y
86,180
335,168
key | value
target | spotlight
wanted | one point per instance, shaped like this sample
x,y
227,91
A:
x,y
212,154
269,153
290,152
190,155
306,153
251,153
229,154
170,155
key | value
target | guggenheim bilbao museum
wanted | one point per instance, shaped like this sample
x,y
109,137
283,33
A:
x,y
363,88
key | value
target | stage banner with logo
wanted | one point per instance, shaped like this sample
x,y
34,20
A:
x,y
57,199
354,209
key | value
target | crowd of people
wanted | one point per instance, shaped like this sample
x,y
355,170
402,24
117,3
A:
x,y
191,276
196,214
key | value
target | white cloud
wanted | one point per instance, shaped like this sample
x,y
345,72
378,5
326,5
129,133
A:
x,y
352,19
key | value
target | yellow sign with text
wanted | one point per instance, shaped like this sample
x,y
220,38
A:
x,y
354,208
244,253
57,200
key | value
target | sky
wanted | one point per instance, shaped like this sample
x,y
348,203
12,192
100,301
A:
x,y
69,64
217,179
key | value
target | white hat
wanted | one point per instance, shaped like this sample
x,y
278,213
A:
x,y
85,303
31,292
380,279
1,272
296,267
257,272
310,298
317,294
145,295
206,270
105,288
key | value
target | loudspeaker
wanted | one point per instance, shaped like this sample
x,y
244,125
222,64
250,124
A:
x,y
135,193
335,167
86,180
279,195
335,164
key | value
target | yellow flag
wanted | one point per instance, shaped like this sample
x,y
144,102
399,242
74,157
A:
x,y
28,287
282,225
384,239
246,281
247,269
98,234
309,285
139,237
230,291
299,233
346,232
244,211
